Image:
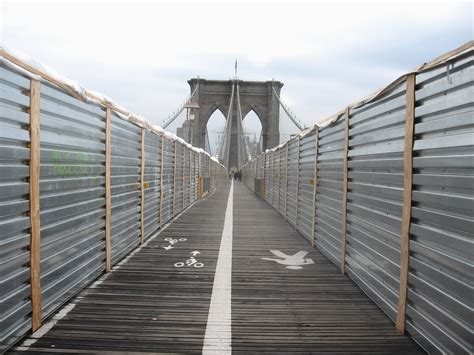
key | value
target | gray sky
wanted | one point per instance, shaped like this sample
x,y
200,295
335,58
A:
x,y
142,53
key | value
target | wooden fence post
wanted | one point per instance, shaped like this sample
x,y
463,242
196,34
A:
x,y
315,181
199,176
297,180
345,185
108,199
407,201
161,177
183,177
35,241
279,179
174,177
286,182
142,188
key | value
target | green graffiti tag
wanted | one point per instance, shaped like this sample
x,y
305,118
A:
x,y
67,163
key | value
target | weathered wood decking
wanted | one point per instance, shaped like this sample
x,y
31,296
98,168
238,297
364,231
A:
x,y
150,305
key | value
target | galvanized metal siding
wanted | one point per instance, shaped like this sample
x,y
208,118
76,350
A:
x,y
375,197
187,174
71,194
439,299
292,185
15,291
168,181
283,180
267,176
329,190
195,174
440,302
178,197
261,166
125,187
307,159
152,182
276,178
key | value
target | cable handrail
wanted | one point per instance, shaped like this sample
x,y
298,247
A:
x,y
296,122
180,109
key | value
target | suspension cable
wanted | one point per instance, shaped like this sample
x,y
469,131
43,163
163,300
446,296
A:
x,y
224,151
180,109
288,112
241,129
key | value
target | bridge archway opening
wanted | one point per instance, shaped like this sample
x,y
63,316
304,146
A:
x,y
253,132
215,130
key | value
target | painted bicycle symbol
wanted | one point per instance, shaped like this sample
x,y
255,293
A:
x,y
172,242
192,261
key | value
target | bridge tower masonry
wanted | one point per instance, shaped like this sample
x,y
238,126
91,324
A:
x,y
258,96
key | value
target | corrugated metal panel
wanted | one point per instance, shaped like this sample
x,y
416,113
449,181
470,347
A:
x,y
168,181
329,190
276,178
267,176
188,173
15,310
125,187
375,197
152,182
194,176
283,181
440,302
306,177
253,173
292,185
179,170
439,306
72,194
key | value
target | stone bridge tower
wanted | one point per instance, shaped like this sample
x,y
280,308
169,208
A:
x,y
215,95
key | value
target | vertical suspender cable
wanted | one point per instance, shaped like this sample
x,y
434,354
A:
x,y
245,148
224,156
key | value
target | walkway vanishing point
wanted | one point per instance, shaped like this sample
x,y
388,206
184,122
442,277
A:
x,y
236,295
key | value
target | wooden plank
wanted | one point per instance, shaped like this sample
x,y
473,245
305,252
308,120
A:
x,y
344,189
407,201
286,181
315,174
184,176
35,241
174,178
108,203
209,174
142,188
161,177
199,176
279,179
149,305
270,180
191,199
40,73
297,181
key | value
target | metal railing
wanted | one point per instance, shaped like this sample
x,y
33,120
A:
x,y
103,186
386,192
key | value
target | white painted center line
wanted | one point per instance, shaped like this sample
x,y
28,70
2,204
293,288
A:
x,y
218,338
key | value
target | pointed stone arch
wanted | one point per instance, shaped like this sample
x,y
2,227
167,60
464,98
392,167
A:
x,y
255,96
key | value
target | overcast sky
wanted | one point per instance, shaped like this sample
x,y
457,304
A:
x,y
142,53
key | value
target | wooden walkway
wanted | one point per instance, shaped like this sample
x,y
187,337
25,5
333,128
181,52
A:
x,y
153,303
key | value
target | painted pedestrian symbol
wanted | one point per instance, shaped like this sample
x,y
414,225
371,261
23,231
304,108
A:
x,y
172,242
294,262
192,261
